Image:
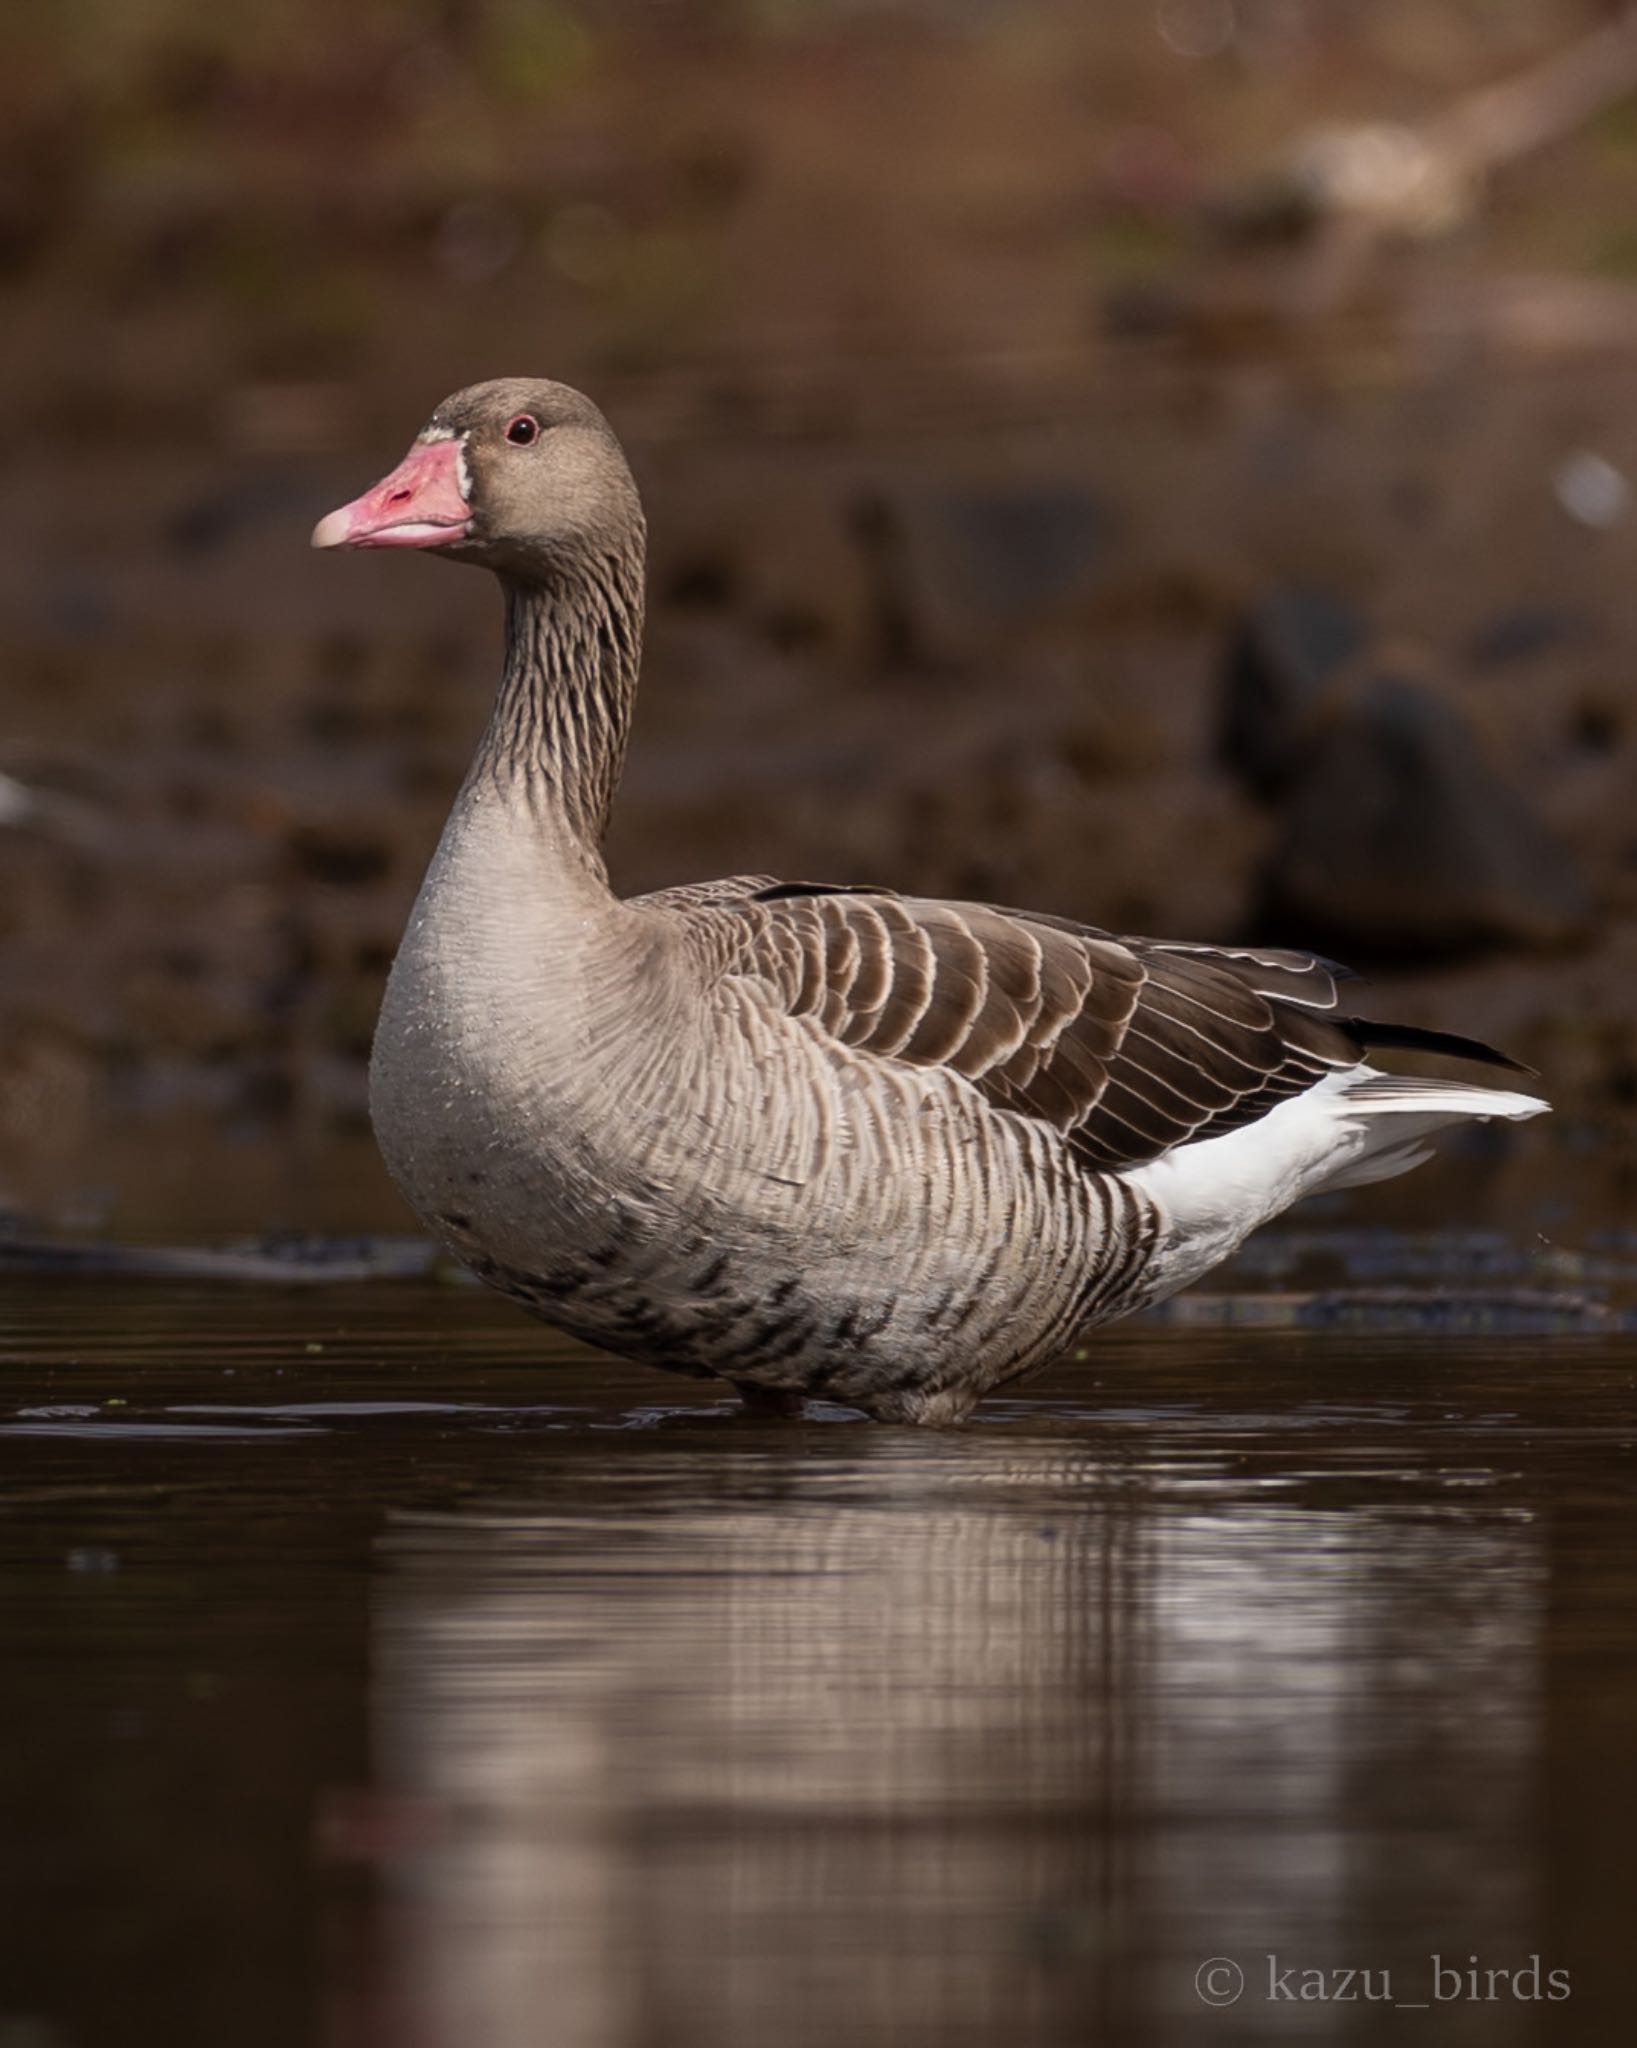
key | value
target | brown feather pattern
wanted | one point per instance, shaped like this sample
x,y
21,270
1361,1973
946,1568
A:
x,y
1129,1047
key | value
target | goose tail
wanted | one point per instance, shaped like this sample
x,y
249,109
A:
x,y
1398,1113
1353,1128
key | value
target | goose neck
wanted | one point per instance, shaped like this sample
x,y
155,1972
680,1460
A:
x,y
557,736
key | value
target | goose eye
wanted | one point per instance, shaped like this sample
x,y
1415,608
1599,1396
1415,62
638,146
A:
x,y
522,430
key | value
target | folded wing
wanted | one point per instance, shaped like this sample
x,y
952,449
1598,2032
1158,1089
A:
x,y
1130,1047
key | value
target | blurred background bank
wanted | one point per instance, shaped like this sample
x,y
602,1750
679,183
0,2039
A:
x,y
1168,463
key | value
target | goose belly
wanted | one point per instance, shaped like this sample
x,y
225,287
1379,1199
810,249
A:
x,y
736,1202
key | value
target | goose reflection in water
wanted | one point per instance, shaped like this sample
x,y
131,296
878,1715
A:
x,y
927,1746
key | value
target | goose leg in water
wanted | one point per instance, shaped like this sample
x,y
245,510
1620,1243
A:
x,y
767,1402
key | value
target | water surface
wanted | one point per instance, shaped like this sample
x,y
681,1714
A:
x,y
380,1668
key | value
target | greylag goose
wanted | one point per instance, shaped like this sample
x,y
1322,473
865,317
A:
x,y
813,1141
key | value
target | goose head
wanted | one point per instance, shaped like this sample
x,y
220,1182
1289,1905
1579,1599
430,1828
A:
x,y
519,475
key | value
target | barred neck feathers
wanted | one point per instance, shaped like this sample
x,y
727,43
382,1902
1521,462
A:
x,y
562,716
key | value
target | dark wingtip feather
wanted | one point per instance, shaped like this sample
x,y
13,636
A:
x,y
1367,1032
